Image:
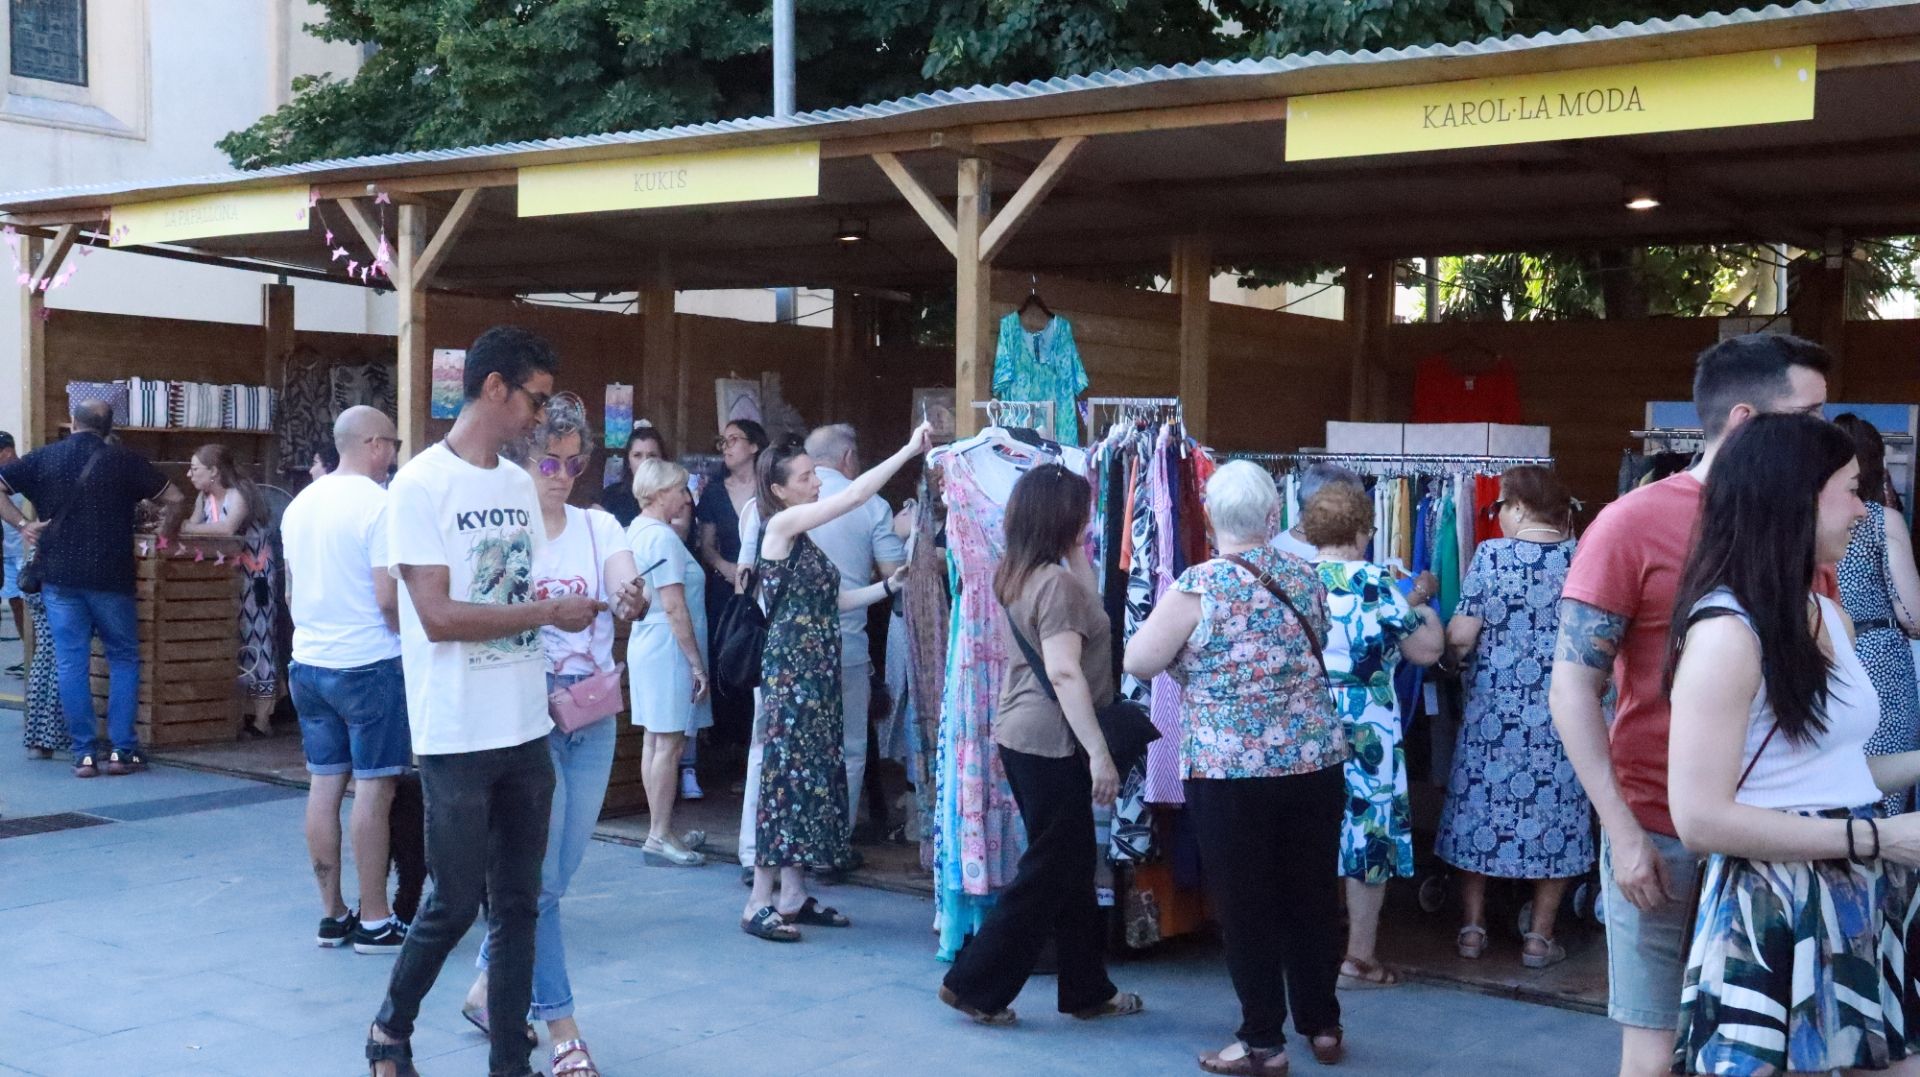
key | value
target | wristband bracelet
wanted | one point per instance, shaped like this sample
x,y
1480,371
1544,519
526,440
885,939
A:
x,y
1852,856
1874,827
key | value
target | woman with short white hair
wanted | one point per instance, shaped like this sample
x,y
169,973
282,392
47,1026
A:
x,y
1261,751
667,674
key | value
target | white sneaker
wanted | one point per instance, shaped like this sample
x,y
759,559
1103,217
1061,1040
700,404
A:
x,y
690,786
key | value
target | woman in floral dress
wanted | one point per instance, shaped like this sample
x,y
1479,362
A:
x,y
1372,628
1515,809
802,819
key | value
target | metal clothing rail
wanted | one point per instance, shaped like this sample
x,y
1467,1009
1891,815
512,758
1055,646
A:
x,y
1406,459
1133,407
1680,433
1027,414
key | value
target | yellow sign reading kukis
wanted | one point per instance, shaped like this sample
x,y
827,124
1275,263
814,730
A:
x,y
201,216
1775,86
753,174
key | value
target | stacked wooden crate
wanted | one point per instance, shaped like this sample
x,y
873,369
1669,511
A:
x,y
189,620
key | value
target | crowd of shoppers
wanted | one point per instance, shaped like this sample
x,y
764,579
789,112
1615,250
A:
x,y
1753,789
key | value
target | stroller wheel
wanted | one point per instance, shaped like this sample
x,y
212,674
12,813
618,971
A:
x,y
1432,894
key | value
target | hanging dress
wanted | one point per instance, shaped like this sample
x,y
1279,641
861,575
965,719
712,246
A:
x,y
928,608
259,665
1866,591
1041,366
802,819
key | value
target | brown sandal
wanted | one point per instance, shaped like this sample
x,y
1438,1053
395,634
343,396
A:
x,y
1257,1062
1122,1004
1334,1052
980,1016
1371,977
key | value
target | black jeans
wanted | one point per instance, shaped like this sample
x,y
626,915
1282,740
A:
x,y
1052,895
486,833
407,845
1270,849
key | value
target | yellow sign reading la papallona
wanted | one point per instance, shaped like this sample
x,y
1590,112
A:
x,y
1774,86
201,216
752,174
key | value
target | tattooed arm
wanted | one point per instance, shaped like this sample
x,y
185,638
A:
x,y
1582,660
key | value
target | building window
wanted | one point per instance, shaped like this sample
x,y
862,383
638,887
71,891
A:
x,y
49,40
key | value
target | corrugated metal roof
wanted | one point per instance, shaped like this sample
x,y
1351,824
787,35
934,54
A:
x,y
977,95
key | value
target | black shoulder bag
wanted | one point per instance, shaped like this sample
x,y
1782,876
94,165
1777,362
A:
x,y
740,638
1124,723
32,576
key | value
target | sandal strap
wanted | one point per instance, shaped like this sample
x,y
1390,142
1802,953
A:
x,y
583,1064
389,1052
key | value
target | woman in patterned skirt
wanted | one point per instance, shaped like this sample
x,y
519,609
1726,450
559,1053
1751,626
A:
x,y
1803,956
1514,808
802,819
1880,590
1371,628
230,504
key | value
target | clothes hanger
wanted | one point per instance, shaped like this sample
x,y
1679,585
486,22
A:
x,y
1033,299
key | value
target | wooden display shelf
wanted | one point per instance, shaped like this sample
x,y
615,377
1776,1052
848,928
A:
x,y
188,615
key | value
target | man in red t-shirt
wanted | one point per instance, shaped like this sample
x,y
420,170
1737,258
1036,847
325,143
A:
x,y
1616,611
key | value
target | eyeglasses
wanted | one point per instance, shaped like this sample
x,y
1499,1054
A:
x,y
1493,508
574,465
727,441
538,400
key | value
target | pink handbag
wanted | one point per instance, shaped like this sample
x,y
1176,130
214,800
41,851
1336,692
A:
x,y
595,697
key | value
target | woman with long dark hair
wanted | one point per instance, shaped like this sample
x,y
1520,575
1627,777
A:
x,y
644,443
801,820
716,526
230,505
1880,590
1803,942
1055,757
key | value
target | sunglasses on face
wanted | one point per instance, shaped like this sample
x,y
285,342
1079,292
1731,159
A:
x,y
552,465
538,400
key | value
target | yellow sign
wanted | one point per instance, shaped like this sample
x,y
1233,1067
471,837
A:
x,y
682,179
1631,99
231,213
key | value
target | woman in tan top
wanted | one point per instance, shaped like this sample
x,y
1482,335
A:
x,y
1055,758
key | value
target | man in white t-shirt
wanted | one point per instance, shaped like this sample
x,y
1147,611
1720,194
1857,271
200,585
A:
x,y
345,674
864,548
463,527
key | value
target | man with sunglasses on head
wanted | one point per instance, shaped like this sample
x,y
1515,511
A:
x,y
345,674
463,527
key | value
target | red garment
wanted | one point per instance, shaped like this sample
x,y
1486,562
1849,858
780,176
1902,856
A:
x,y
1486,524
1442,394
1629,564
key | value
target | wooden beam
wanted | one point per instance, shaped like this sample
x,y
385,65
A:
x,y
415,371
33,351
1369,295
662,397
444,238
922,200
973,302
451,181
1052,169
362,225
276,344
56,253
1193,280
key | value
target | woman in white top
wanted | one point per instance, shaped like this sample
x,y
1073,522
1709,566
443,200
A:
x,y
669,674
1804,943
585,554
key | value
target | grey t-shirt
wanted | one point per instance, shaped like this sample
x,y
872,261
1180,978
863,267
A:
x,y
1052,602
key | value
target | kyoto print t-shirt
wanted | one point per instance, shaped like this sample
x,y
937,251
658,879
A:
x,y
484,525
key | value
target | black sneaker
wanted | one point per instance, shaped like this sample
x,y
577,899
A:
x,y
385,939
335,933
125,761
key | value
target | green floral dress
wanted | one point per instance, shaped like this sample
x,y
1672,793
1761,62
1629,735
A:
x,y
802,819
1369,617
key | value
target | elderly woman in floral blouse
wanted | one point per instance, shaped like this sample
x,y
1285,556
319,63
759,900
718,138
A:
x,y
1262,754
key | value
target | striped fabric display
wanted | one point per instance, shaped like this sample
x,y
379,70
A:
x,y
113,392
147,402
227,405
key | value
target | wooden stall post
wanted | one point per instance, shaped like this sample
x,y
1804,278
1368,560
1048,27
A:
x,y
1819,309
842,360
1369,313
416,260
42,262
276,343
662,394
972,304
1192,280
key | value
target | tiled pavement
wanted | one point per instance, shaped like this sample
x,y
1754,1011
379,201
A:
x,y
177,939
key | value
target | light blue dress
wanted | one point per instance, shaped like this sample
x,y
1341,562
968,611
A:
x,y
1041,366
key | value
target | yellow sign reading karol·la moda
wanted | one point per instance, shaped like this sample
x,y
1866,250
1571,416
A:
x,y
681,179
201,216
1775,86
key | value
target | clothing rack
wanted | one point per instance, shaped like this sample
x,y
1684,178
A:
x,y
1134,407
1019,414
1388,463
1678,433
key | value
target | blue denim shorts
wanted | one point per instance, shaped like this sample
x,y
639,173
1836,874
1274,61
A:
x,y
1645,962
353,719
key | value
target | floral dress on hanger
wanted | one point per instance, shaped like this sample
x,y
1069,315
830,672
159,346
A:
x,y
1368,617
1041,366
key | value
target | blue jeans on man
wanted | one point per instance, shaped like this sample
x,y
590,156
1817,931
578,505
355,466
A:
x,y
76,615
582,765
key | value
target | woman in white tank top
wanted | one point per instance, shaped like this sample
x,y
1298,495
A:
x,y
1805,945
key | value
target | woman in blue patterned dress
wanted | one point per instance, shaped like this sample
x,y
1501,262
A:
x,y
1372,627
1514,808
1880,590
1804,949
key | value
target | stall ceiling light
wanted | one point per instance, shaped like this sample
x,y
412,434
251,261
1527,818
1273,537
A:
x,y
1643,201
